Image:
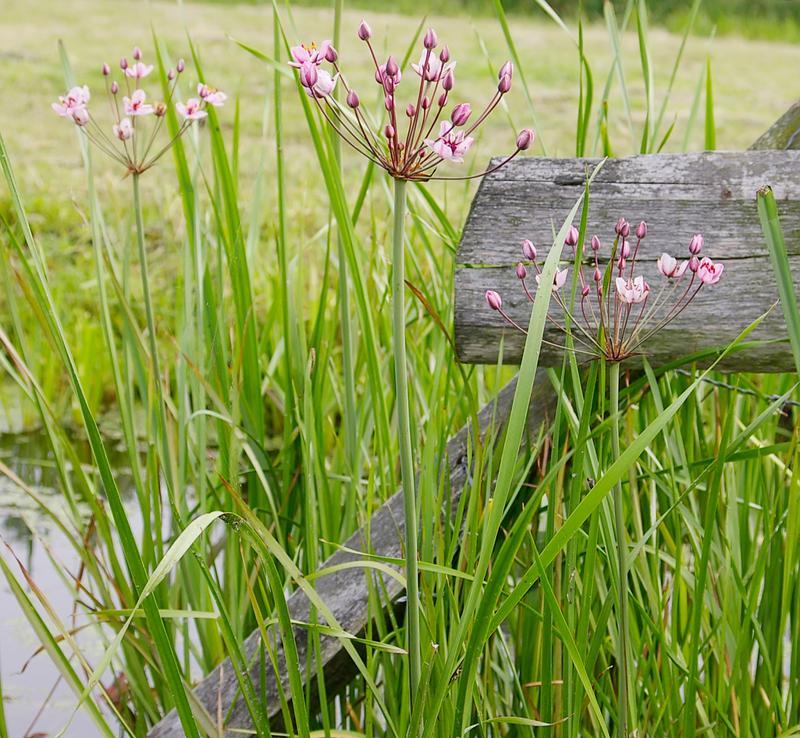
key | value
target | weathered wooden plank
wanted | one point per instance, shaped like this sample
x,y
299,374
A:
x,y
678,195
346,591
784,133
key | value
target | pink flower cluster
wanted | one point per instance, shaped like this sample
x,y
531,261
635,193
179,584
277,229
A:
x,y
127,145
617,312
430,136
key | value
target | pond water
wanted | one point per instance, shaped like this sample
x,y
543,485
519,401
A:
x,y
36,701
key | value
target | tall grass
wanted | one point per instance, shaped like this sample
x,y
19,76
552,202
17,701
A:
x,y
268,432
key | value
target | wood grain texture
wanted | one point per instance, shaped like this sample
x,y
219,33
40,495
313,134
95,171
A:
x,y
678,195
784,133
346,592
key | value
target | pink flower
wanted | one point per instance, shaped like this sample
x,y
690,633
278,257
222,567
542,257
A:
x,y
669,266
80,116
323,86
191,110
388,73
211,95
138,70
135,104
312,54
77,97
708,271
493,300
434,69
559,278
123,130
451,145
632,291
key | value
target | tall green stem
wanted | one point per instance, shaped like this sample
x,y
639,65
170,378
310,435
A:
x,y
404,427
161,418
619,520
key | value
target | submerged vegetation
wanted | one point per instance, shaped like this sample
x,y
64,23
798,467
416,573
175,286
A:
x,y
634,568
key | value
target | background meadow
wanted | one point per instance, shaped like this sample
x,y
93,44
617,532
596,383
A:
x,y
322,455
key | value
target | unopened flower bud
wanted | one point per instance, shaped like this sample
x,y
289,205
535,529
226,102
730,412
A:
x,y
430,40
585,290
598,275
106,70
595,243
507,70
529,250
114,88
572,236
391,67
442,99
621,264
449,80
364,31
504,85
160,110
696,244
308,75
180,66
137,53
493,300
80,116
410,110
641,230
694,263
426,103
331,55
352,99
171,75
622,228
388,102
522,272
461,113
525,139
123,63
389,131
626,249
444,55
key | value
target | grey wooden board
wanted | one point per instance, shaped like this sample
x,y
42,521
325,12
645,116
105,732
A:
x,y
678,195
346,592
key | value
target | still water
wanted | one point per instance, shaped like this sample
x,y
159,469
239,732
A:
x,y
36,701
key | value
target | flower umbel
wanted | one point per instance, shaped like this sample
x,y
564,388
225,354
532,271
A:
x,y
430,137
133,139
617,312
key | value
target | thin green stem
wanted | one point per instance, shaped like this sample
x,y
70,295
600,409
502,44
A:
x,y
619,521
404,428
153,342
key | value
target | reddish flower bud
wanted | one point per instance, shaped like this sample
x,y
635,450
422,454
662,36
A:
x,y
529,250
626,249
493,300
504,85
331,55
444,55
364,31
430,40
622,228
160,110
180,66
461,113
388,102
137,53
449,80
522,272
308,75
442,99
171,75
696,244
352,99
585,291
123,63
525,138
507,70
572,236
410,110
389,131
694,263
641,230
391,67
426,103
106,70
598,275
114,88
595,243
